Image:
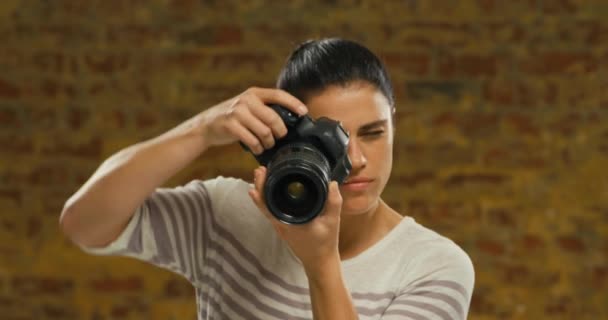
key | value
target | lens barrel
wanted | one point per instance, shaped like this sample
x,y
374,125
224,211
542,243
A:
x,y
297,183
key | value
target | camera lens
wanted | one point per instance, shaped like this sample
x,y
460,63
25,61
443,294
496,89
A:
x,y
297,183
296,190
295,196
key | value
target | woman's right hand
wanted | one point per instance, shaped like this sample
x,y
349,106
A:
x,y
247,118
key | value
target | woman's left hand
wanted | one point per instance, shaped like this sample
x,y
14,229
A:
x,y
315,242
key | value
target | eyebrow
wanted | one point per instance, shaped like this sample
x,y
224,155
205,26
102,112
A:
x,y
372,125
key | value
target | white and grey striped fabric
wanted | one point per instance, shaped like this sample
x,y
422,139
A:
x,y
212,233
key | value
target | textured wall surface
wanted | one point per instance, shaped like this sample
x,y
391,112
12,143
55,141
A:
x,y
502,135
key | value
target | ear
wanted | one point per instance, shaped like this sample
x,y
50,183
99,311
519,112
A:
x,y
394,119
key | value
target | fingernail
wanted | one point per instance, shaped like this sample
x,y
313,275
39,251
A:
x,y
302,109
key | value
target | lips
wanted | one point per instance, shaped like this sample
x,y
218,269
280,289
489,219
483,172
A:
x,y
357,184
358,180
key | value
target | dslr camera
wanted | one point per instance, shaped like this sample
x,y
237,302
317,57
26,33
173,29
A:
x,y
301,165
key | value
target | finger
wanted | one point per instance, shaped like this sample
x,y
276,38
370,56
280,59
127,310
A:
x,y
255,196
257,193
253,124
260,180
245,136
282,98
254,192
270,118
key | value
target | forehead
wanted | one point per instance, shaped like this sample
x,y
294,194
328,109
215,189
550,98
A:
x,y
354,105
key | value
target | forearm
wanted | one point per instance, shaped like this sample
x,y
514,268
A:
x,y
329,296
100,209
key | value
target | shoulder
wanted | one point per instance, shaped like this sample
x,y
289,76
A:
x,y
436,257
437,247
220,184
212,191
219,189
231,203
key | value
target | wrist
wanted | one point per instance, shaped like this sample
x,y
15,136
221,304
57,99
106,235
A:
x,y
198,128
324,269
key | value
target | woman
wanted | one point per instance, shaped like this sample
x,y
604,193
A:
x,y
359,259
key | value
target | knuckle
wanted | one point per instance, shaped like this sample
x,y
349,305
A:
x,y
245,97
229,116
238,100
276,118
230,125
283,130
281,92
277,122
338,199
255,143
287,96
279,131
333,201
232,112
251,90
238,112
257,147
266,132
276,94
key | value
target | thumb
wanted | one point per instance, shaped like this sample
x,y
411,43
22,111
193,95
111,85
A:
x,y
334,199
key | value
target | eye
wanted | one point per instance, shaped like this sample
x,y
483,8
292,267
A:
x,y
373,133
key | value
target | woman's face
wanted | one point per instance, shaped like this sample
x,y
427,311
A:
x,y
366,115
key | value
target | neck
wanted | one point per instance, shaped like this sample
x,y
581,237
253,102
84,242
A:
x,y
357,231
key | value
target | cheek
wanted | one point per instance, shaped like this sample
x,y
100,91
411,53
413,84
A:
x,y
383,159
380,152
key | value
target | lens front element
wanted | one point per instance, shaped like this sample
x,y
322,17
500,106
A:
x,y
296,191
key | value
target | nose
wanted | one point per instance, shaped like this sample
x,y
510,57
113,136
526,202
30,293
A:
x,y
357,158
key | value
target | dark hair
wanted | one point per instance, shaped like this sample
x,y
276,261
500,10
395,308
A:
x,y
317,64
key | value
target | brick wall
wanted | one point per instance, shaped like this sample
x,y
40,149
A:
x,y
502,134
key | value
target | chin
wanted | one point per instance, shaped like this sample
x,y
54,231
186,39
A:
x,y
357,205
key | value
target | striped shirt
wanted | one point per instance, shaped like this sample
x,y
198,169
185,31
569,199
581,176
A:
x,y
211,233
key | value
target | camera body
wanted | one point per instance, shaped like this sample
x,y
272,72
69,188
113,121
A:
x,y
301,165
